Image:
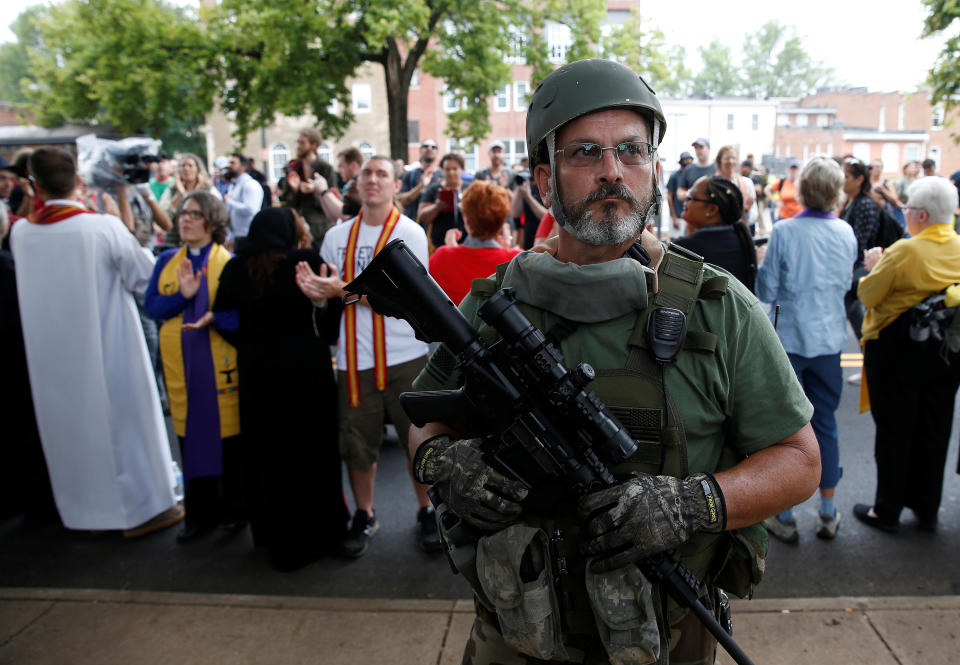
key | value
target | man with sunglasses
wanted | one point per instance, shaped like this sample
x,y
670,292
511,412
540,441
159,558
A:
x,y
419,178
721,426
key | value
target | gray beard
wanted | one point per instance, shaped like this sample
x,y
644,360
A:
x,y
606,228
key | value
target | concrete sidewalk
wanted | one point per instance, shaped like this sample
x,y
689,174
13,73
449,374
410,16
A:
x,y
79,626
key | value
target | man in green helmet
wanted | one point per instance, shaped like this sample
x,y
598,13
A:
x,y
722,428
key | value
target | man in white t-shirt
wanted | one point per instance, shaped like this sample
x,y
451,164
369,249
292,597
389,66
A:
x,y
377,357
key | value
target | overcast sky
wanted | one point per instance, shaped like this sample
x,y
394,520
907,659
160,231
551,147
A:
x,y
873,43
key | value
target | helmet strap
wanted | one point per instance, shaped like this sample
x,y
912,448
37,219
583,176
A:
x,y
555,206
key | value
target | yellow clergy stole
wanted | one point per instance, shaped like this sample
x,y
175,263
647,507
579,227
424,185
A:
x,y
223,354
350,313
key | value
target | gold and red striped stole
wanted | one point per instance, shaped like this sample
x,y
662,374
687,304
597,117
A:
x,y
51,214
350,313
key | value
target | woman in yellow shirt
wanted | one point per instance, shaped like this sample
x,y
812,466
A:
x,y
911,386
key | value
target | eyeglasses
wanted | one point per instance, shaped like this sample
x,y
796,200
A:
x,y
629,153
428,146
195,214
694,198
906,208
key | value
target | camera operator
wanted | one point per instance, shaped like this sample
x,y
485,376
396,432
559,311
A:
x,y
526,209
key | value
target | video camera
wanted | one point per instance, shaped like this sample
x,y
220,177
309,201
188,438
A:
x,y
104,162
521,177
135,168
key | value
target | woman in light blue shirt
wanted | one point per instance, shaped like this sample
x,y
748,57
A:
x,y
807,270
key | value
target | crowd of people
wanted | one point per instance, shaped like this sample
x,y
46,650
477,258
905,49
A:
x,y
221,301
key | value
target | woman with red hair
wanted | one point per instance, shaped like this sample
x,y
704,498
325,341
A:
x,y
484,208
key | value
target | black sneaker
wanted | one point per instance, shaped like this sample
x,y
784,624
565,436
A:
x,y
361,531
429,534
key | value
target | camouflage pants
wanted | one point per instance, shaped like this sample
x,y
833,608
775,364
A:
x,y
691,644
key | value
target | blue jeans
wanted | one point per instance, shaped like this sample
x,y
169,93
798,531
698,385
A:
x,y
822,381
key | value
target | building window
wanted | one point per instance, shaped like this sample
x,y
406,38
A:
x,y
333,108
513,150
901,111
450,102
806,152
783,120
882,123
470,156
890,155
936,122
729,121
415,79
501,99
325,152
517,43
776,152
823,120
521,93
830,148
862,152
801,120
559,40
362,98
816,149
413,131
279,157
911,152
755,122
934,153
366,149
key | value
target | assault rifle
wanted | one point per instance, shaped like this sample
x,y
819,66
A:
x,y
550,433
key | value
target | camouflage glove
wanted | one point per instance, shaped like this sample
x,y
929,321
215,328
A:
x,y
648,514
470,487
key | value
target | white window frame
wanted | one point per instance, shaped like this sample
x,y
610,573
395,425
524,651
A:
x,y
517,41
783,120
801,120
501,99
333,108
279,158
521,95
911,152
361,95
729,121
823,120
861,151
367,149
882,121
559,41
830,148
471,157
514,150
936,119
325,152
450,102
755,122
933,152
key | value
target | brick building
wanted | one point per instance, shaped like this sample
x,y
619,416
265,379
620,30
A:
x,y
895,127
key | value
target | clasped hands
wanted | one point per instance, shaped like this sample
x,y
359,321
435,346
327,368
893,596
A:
x,y
622,524
319,287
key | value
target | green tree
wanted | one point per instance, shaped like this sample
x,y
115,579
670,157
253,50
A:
x,y
294,56
720,72
776,64
944,77
138,65
14,57
646,52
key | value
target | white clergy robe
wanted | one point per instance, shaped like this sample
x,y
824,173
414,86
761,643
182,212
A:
x,y
93,386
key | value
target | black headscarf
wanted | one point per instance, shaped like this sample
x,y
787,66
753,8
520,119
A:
x,y
272,230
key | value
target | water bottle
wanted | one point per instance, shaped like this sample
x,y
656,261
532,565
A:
x,y
177,482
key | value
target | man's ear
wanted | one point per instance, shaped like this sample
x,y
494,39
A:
x,y
541,175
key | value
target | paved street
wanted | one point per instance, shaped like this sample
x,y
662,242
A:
x,y
861,562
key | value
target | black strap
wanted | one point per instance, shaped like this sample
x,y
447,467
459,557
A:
x,y
561,330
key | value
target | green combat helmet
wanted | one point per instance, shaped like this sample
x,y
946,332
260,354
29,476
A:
x,y
580,88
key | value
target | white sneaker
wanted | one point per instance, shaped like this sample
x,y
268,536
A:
x,y
827,525
854,379
785,531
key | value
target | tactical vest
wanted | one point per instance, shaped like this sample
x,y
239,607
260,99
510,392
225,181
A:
x,y
635,394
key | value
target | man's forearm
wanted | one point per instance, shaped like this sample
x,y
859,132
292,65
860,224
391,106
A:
x,y
771,480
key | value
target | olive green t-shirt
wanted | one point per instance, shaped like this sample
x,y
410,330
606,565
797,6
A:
x,y
745,394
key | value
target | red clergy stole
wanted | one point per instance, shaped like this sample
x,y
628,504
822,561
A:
x,y
350,313
57,212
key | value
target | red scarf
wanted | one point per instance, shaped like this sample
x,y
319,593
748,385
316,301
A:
x,y
350,314
57,212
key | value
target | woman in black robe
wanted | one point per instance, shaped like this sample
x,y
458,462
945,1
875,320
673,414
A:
x,y
288,403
